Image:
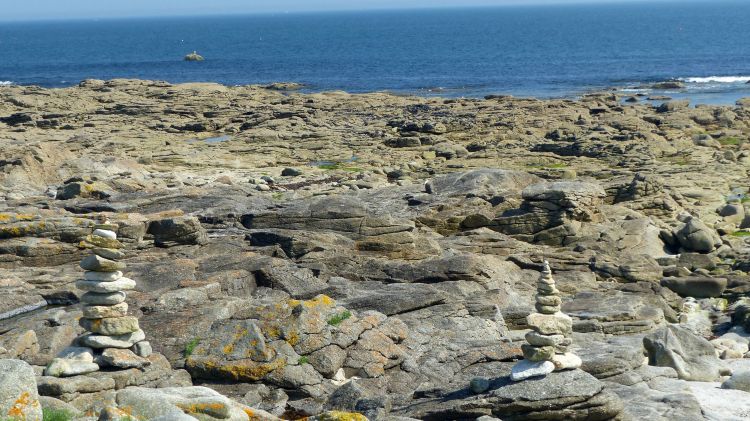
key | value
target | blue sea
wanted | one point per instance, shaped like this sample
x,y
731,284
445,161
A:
x,y
539,51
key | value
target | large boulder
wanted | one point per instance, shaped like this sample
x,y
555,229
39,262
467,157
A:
x,y
84,189
693,357
696,236
696,286
177,230
19,399
739,380
296,344
613,312
552,213
491,185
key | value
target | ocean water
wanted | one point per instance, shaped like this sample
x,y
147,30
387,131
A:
x,y
549,51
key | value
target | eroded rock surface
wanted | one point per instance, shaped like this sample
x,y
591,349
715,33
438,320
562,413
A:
x,y
303,254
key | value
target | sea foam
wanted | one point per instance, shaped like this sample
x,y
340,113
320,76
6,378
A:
x,y
717,79
5,82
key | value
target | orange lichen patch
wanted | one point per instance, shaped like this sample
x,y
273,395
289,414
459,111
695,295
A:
x,y
21,406
319,301
339,416
212,408
271,331
112,412
238,335
241,370
15,217
22,230
318,304
201,407
292,337
92,241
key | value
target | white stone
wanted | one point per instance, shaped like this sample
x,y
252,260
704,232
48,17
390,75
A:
x,y
525,369
60,367
340,379
77,353
566,361
105,234
122,284
102,276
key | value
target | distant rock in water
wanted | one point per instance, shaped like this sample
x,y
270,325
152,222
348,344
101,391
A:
x,y
285,86
672,84
194,56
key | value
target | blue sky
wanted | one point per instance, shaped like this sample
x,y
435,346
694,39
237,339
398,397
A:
x,y
84,9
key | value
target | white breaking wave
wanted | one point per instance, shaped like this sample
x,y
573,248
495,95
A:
x,y
717,79
5,82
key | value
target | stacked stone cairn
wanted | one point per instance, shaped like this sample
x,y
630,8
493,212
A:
x,y
550,337
113,339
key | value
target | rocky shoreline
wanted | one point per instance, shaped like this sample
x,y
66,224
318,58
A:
x,y
341,256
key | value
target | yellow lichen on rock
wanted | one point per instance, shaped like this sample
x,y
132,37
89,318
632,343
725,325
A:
x,y
338,416
20,408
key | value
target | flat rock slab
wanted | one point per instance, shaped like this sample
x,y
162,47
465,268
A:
x,y
658,399
56,387
18,297
611,356
120,341
388,299
103,299
565,384
564,395
614,313
103,287
721,404
14,305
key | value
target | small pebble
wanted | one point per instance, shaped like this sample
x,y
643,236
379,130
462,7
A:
x,y
479,385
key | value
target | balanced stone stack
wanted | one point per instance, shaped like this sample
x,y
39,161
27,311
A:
x,y
550,337
113,339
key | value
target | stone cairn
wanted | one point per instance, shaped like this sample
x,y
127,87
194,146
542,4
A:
x,y
550,337
113,339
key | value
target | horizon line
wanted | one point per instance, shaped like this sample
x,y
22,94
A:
x,y
515,4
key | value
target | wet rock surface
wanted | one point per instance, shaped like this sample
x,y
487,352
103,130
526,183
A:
x,y
335,254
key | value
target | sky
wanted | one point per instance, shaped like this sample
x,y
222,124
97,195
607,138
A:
x,y
20,10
